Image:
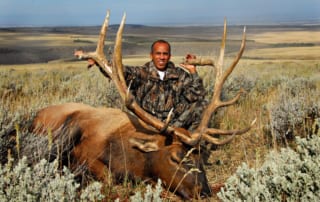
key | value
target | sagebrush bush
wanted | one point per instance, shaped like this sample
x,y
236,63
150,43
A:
x,y
9,122
287,175
235,83
232,85
150,195
294,108
42,182
266,86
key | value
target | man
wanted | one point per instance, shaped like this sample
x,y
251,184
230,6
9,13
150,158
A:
x,y
159,86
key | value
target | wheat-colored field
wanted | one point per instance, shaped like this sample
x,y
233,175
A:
x,y
297,53
287,37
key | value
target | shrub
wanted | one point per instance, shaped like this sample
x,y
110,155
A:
x,y
287,175
42,182
151,195
9,122
234,84
294,109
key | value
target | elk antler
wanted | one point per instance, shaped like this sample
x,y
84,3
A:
x,y
200,61
115,72
216,101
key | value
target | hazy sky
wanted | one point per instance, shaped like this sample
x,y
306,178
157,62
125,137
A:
x,y
155,12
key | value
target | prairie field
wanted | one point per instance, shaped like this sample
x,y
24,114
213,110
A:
x,y
37,69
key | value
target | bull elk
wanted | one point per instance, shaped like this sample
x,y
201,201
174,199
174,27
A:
x,y
134,144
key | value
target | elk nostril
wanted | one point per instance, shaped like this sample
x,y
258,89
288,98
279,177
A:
x,y
205,193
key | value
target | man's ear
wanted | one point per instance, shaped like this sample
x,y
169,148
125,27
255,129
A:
x,y
144,145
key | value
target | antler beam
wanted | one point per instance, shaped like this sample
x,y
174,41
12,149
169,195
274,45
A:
x,y
115,72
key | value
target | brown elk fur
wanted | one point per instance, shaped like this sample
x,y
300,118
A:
x,y
109,141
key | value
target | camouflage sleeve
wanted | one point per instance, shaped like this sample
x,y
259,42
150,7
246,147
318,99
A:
x,y
130,72
133,75
194,93
193,88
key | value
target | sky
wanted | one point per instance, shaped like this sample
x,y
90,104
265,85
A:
x,y
156,12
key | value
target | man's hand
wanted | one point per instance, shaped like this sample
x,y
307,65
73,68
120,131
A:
x,y
191,68
79,54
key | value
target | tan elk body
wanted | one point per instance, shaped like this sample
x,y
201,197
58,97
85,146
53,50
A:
x,y
115,142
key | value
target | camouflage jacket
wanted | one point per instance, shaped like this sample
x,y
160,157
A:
x,y
182,91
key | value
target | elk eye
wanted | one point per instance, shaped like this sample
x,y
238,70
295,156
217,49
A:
x,y
175,158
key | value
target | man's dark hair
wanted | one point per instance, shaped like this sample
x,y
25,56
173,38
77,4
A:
x,y
161,41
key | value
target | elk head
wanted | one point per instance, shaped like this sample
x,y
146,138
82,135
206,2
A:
x,y
185,172
179,167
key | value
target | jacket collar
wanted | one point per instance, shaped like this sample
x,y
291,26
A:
x,y
170,72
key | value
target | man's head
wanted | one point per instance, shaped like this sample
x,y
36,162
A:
x,y
160,54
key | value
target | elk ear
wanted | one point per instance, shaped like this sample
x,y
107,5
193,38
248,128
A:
x,y
144,145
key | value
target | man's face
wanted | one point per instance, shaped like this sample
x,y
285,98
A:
x,y
160,55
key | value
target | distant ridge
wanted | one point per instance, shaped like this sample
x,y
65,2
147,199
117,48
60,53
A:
x,y
129,25
313,22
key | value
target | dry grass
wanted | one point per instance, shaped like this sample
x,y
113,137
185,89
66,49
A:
x,y
261,63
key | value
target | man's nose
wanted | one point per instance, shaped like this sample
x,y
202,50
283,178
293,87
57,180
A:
x,y
162,55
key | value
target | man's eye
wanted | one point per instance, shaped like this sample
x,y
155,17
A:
x,y
159,53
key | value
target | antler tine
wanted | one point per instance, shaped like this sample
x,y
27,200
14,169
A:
x,y
214,131
216,102
117,66
200,62
237,58
218,141
219,65
103,33
99,55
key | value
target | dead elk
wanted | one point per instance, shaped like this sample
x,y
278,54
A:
x,y
139,146
108,141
